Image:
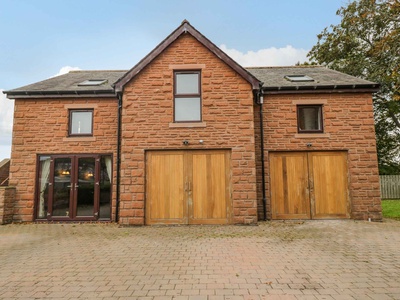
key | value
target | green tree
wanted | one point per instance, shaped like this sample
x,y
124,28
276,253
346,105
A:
x,y
366,44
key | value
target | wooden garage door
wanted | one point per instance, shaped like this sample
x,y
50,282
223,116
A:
x,y
188,187
289,182
165,188
328,184
309,185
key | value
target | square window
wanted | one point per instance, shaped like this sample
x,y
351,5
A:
x,y
80,122
309,118
187,96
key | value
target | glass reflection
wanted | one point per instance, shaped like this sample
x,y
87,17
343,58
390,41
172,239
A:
x,y
85,187
62,187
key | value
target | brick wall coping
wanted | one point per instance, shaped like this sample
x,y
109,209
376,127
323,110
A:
x,y
4,162
7,187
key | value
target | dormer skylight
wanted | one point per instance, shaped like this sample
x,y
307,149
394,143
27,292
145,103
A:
x,y
92,82
299,78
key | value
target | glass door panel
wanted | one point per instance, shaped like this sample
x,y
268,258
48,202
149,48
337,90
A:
x,y
85,187
62,187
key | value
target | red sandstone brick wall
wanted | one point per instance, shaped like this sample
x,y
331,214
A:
x,y
7,195
349,124
41,127
227,104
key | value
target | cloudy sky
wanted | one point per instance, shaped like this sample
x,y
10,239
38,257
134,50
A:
x,y
43,38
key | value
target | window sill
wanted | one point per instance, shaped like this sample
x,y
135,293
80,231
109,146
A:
x,y
188,125
79,139
312,135
187,67
310,101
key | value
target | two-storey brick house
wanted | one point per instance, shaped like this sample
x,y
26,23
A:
x,y
178,140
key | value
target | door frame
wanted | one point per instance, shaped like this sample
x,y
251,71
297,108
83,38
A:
x,y
73,196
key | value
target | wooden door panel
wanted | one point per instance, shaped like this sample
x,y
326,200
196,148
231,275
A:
x,y
209,190
329,184
289,185
165,188
188,187
309,185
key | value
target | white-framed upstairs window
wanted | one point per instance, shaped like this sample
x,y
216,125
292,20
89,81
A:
x,y
187,96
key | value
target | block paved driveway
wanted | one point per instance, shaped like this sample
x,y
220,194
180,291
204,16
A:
x,y
275,260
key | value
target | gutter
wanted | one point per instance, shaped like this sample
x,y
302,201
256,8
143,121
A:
x,y
370,88
119,96
48,94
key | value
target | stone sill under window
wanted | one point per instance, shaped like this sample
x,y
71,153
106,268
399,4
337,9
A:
x,y
79,139
312,135
188,125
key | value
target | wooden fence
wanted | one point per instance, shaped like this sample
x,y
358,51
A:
x,y
390,186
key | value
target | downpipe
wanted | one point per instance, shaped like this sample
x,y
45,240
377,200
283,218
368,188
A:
x,y
260,100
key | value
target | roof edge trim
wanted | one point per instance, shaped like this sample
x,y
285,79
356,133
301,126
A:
x,y
36,94
371,87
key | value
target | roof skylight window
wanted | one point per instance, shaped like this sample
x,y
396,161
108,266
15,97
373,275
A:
x,y
298,78
92,82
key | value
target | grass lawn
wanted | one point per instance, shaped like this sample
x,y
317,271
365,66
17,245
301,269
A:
x,y
391,209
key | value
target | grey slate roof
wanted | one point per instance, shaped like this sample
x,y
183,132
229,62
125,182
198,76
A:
x,y
69,84
273,78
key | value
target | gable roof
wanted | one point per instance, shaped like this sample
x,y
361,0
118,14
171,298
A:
x,y
273,78
68,85
185,28
324,79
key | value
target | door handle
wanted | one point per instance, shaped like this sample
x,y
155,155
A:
x,y
190,186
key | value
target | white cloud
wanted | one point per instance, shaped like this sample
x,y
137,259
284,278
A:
x,y
6,120
66,69
287,56
6,114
